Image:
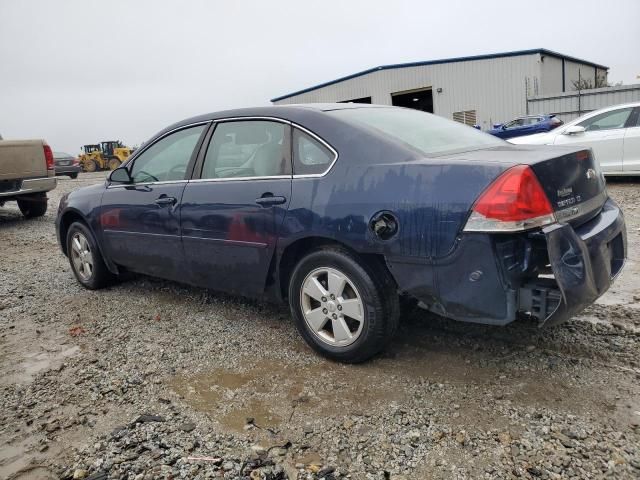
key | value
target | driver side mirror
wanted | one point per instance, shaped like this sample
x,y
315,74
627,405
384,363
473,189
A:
x,y
120,175
574,130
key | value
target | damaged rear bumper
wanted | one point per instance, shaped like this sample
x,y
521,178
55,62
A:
x,y
584,262
551,274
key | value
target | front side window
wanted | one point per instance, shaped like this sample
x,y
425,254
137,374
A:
x,y
251,148
607,120
519,122
167,159
310,157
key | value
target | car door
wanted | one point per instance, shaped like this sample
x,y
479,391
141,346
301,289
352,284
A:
x,y
231,214
140,220
631,155
604,133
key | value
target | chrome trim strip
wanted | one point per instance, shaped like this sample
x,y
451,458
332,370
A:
x,y
145,147
227,119
141,234
134,185
333,150
33,185
299,127
479,223
237,243
238,179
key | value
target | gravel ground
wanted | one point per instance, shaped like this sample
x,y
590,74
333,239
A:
x,y
152,379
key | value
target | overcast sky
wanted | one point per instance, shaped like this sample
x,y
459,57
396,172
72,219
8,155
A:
x,y
76,72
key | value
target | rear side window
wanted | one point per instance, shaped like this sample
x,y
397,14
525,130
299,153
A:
x,y
310,157
240,149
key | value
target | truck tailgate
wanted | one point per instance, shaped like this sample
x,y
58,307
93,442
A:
x,y
22,159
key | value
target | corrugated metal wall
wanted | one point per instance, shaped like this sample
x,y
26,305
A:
x,y
495,88
570,105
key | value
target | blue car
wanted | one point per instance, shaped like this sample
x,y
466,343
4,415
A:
x,y
525,126
342,210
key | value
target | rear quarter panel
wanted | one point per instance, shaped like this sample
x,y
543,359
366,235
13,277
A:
x,y
431,201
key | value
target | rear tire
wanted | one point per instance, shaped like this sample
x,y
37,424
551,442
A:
x,y
85,258
359,320
33,205
73,175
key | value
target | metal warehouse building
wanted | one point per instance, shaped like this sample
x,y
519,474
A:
x,y
483,89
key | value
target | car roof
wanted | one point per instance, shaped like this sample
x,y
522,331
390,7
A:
x,y
278,111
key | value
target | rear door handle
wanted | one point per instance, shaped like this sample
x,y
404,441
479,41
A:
x,y
166,200
267,200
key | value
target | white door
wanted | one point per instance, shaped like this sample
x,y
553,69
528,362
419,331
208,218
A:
x,y
631,155
604,133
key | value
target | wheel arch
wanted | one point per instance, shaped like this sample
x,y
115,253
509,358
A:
x,y
296,250
66,220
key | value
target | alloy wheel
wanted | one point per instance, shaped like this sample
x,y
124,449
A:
x,y
332,307
81,256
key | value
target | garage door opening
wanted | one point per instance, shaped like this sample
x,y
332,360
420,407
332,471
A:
x,y
417,99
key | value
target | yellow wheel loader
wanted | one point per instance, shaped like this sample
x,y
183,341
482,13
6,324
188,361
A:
x,y
109,154
114,153
91,158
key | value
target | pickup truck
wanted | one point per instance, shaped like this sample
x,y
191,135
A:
x,y
27,173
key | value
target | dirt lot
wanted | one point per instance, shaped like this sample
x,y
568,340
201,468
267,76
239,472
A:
x,y
152,379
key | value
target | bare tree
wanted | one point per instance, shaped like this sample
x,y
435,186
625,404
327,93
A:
x,y
586,84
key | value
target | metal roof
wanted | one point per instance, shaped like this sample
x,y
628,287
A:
x,y
541,51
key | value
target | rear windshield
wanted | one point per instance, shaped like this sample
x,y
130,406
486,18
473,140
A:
x,y
430,134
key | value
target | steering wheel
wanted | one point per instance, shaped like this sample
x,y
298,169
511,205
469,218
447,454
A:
x,y
154,178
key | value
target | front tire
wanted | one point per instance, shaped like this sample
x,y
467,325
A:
x,y
33,205
345,309
90,166
114,163
85,258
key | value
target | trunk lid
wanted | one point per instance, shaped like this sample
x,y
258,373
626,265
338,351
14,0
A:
x,y
570,176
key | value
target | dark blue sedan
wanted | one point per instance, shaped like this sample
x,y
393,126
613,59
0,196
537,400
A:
x,y
525,126
341,210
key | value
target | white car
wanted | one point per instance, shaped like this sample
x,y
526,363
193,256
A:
x,y
613,133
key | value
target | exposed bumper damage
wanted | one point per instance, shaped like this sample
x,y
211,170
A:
x,y
584,262
550,274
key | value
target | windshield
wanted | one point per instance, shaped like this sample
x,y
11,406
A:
x,y
423,131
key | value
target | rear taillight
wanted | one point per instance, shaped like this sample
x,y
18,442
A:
x,y
514,202
48,155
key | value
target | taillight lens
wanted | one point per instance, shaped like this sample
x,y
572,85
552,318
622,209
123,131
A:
x,y
515,201
48,155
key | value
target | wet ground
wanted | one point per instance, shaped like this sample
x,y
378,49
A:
x,y
447,400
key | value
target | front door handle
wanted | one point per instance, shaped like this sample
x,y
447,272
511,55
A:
x,y
268,200
164,200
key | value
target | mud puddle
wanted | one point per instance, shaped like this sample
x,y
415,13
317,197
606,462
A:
x,y
272,393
